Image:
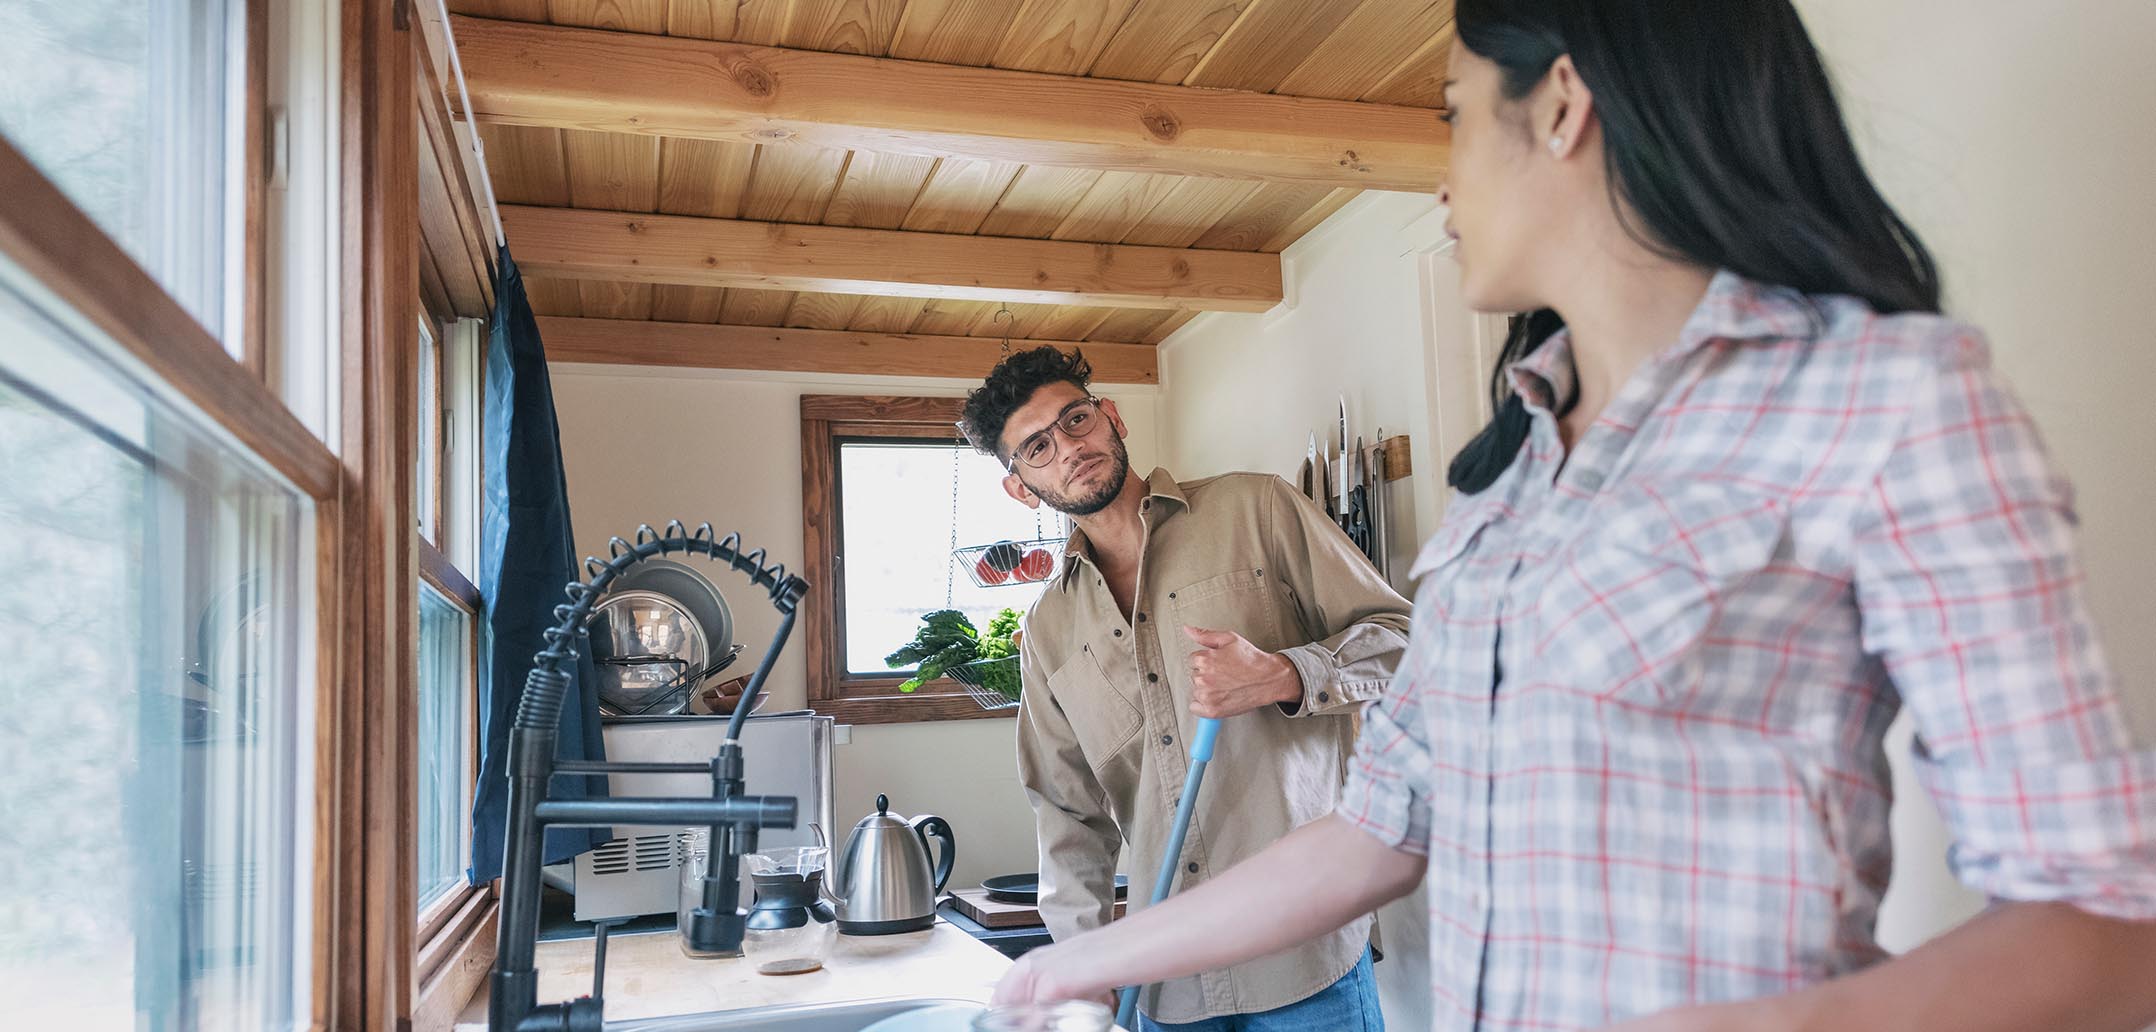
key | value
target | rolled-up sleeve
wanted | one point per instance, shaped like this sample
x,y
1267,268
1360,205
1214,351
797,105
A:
x,y
1973,597
1079,839
1360,622
1387,790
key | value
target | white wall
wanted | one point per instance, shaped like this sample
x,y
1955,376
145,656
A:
x,y
646,446
2017,138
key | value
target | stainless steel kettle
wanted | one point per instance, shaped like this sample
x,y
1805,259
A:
x,y
882,884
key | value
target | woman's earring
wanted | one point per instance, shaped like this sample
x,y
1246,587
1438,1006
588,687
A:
x,y
1557,145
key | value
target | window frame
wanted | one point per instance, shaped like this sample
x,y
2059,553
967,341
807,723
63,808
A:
x,y
827,422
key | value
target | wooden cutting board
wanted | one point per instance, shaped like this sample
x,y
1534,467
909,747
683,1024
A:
x,y
974,903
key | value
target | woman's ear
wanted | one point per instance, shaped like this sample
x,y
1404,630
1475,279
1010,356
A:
x,y
1019,492
1568,110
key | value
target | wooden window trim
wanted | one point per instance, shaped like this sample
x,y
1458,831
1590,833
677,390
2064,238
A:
x,y
826,420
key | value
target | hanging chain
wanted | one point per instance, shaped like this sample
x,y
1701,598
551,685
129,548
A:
x,y
950,567
1006,320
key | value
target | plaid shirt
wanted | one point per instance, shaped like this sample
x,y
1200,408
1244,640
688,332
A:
x,y
1638,727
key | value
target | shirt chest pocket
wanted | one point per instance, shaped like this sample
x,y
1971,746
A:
x,y
1657,579
1104,720
1251,602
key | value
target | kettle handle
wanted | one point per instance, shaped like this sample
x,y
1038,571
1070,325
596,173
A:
x,y
927,825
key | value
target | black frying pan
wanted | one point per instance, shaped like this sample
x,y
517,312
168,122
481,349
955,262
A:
x,y
1026,888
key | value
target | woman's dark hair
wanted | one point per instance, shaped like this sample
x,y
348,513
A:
x,y
1725,149
1011,384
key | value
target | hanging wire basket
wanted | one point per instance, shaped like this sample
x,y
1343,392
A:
x,y
1006,563
993,683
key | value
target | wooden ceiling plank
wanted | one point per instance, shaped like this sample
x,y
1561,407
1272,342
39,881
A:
x,y
615,171
1420,80
663,86
955,32
1060,37
512,10
844,26
761,23
887,314
1129,326
793,182
960,195
525,164
1163,40
1173,323
1308,220
614,15
630,247
671,303
1040,198
950,316
1188,211
615,300
1115,205
553,296
1070,322
674,345
704,177
745,307
1269,209
701,19
878,191
815,311
1377,39
1267,42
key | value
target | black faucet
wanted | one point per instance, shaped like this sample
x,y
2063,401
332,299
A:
x,y
733,818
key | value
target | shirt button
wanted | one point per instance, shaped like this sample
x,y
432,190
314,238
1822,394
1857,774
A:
x,y
1324,697
1155,678
1141,617
1476,901
1192,867
1119,632
1167,739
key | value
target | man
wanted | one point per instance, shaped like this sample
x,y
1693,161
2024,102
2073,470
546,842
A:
x,y
1228,597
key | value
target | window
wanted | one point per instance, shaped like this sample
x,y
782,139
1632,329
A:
x,y
446,676
155,760
879,521
898,517
123,104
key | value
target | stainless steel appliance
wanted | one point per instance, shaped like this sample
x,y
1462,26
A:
x,y
638,872
883,883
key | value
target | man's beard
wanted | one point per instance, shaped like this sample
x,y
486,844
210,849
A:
x,y
1090,502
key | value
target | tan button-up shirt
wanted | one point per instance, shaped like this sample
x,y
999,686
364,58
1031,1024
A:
x,y
1102,733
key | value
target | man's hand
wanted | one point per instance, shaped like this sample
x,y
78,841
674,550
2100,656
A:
x,y
1230,676
1048,974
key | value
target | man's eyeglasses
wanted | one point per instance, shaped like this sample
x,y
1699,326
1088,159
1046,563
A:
x,y
1078,420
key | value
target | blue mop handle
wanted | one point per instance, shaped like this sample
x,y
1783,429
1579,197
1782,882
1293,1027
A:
x,y
1201,753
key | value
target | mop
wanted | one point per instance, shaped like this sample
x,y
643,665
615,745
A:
x,y
1201,752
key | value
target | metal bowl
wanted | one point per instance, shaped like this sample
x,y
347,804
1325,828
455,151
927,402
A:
x,y
644,643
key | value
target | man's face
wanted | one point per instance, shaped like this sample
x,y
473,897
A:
x,y
1085,474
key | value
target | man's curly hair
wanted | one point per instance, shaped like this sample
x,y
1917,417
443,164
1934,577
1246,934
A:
x,y
1011,384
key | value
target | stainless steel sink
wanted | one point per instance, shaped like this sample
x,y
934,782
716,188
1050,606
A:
x,y
809,1017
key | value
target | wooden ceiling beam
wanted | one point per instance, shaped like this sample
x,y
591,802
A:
x,y
545,75
694,345
573,243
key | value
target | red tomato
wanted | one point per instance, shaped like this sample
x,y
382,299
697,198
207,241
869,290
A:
x,y
988,573
1036,565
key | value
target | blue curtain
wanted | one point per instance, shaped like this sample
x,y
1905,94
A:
x,y
527,557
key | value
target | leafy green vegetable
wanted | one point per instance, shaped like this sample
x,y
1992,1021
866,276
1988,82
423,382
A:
x,y
947,638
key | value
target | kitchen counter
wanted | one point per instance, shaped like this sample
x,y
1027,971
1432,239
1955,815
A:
x,y
647,975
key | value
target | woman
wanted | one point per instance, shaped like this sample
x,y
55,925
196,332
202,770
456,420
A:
x,y
1747,493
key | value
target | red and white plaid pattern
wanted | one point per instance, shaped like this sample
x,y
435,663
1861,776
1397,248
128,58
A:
x,y
1638,727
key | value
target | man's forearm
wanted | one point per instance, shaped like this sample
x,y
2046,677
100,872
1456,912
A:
x,y
2018,966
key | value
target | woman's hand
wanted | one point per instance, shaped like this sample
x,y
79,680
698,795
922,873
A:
x,y
1048,975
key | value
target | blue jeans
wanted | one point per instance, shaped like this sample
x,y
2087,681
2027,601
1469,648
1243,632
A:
x,y
1348,1005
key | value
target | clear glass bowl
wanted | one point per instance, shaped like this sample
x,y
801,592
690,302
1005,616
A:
x,y
789,951
1066,1016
